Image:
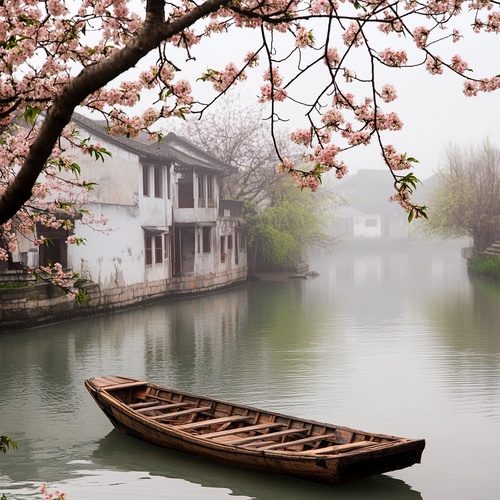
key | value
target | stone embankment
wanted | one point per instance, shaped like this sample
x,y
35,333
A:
x,y
43,303
493,250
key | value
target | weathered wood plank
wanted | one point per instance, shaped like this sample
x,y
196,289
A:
x,y
338,448
265,437
122,386
295,442
142,404
163,407
238,430
176,414
213,421
160,398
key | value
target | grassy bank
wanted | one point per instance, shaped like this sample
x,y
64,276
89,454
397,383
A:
x,y
488,268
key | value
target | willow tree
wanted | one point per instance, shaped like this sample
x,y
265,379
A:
x,y
59,55
466,199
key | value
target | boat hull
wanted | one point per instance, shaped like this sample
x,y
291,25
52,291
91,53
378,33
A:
x,y
328,468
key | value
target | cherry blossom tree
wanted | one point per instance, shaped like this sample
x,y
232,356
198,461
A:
x,y
330,58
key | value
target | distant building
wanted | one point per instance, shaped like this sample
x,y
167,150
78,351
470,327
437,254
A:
x,y
367,212
170,231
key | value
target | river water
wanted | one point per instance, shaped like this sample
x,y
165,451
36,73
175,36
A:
x,y
395,339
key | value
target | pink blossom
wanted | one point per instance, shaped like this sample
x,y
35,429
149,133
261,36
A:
x,y
434,65
327,156
322,6
458,64
332,57
332,118
353,35
272,90
302,136
394,58
359,137
303,38
389,122
388,93
396,161
420,35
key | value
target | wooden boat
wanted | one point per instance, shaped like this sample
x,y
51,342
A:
x,y
246,436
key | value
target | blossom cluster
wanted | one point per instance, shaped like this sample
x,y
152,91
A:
x,y
55,495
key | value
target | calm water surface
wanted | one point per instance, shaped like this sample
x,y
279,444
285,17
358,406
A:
x,y
397,340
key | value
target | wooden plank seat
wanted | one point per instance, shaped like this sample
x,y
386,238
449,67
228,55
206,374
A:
x,y
181,413
237,430
338,448
163,407
166,400
122,386
214,421
142,404
310,439
265,437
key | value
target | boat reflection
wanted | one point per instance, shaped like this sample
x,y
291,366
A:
x,y
119,452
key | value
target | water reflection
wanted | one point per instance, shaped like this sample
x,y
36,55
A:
x,y
123,453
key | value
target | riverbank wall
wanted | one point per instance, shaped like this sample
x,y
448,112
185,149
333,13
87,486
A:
x,y
41,303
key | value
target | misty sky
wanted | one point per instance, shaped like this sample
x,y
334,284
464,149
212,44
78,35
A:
x,y
433,109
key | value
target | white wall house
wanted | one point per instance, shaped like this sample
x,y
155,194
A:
x,y
367,212
167,232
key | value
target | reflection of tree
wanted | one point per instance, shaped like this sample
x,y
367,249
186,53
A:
x,y
469,327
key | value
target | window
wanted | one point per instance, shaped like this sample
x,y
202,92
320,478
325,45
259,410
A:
x,y
186,192
155,252
210,191
230,242
206,191
201,186
148,250
152,185
145,180
202,203
371,223
207,236
158,249
158,176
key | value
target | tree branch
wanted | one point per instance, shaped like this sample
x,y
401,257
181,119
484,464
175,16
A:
x,y
91,79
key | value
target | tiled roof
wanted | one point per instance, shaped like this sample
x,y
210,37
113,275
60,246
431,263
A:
x,y
171,148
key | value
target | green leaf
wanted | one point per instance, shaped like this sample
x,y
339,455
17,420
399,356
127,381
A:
x,y
31,113
6,443
75,168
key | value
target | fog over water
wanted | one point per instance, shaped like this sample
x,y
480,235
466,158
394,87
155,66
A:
x,y
389,338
